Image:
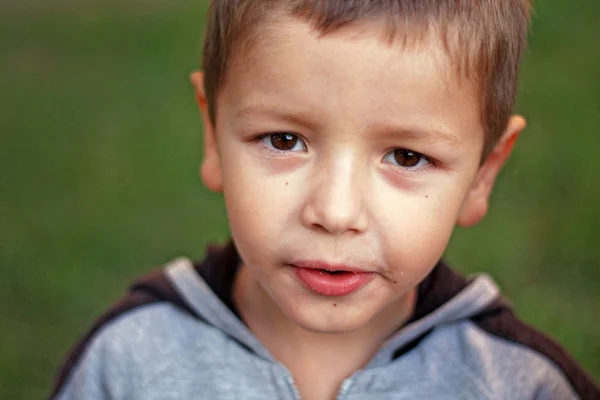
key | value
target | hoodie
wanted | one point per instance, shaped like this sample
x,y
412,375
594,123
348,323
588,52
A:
x,y
178,335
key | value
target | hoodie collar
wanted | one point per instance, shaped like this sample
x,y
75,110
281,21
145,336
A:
x,y
443,297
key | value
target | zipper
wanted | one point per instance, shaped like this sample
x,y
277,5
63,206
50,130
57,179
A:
x,y
344,388
293,387
346,384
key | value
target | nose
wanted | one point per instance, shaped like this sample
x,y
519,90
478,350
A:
x,y
335,202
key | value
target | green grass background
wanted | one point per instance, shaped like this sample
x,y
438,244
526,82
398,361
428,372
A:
x,y
100,144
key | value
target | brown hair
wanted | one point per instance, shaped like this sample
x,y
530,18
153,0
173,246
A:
x,y
484,38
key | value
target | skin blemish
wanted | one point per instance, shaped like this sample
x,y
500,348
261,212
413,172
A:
x,y
395,282
335,305
286,183
426,196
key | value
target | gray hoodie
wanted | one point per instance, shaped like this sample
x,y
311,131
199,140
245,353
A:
x,y
177,335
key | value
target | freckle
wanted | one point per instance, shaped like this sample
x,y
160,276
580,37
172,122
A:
x,y
335,305
395,282
426,196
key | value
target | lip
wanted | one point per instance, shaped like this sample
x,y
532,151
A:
x,y
316,264
349,280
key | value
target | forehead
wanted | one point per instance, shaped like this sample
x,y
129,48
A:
x,y
354,71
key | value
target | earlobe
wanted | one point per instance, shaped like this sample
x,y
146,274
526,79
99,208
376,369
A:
x,y
210,171
474,209
476,203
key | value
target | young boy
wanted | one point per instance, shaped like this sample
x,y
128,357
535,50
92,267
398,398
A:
x,y
348,138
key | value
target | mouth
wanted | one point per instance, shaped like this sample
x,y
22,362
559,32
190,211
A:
x,y
337,272
328,267
331,280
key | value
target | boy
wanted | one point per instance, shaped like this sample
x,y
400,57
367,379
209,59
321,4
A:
x,y
348,138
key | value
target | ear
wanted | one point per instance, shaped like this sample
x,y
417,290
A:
x,y
475,206
210,171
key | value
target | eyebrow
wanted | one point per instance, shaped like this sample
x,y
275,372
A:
x,y
260,110
428,133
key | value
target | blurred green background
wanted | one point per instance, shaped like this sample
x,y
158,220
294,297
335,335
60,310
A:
x,y
100,144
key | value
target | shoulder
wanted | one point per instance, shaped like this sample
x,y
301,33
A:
x,y
128,354
502,324
135,339
148,332
145,340
511,357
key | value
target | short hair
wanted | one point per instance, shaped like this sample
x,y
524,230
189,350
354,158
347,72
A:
x,y
485,39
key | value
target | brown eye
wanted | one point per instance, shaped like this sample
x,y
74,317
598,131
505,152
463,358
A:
x,y
407,158
284,141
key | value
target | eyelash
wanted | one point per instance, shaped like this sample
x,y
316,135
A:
x,y
430,163
413,171
260,140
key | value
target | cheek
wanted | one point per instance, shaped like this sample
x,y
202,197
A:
x,y
258,208
261,189
416,229
248,212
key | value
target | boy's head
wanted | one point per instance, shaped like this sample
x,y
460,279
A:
x,y
354,135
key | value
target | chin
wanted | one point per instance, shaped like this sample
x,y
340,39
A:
x,y
327,328
330,321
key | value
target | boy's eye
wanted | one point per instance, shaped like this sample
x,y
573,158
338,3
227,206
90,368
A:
x,y
284,142
406,158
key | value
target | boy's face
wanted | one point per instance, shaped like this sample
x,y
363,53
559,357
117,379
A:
x,y
345,150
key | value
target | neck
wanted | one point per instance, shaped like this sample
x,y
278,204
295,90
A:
x,y
297,347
